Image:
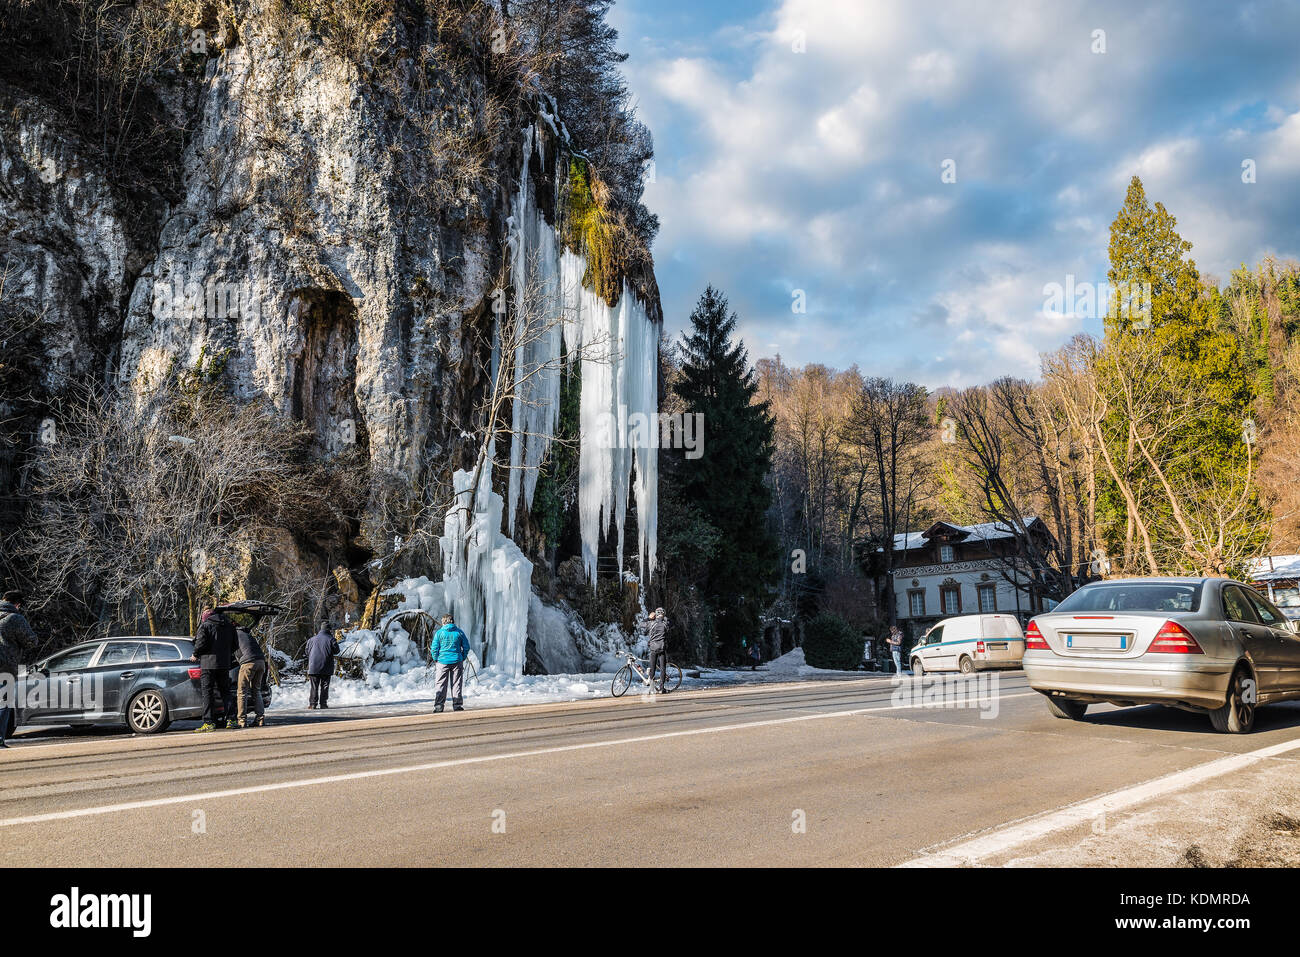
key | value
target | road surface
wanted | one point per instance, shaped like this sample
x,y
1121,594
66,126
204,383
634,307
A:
x,y
800,774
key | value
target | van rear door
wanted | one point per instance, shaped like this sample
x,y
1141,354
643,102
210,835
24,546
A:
x,y
1003,639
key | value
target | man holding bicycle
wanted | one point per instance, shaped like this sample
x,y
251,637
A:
x,y
656,628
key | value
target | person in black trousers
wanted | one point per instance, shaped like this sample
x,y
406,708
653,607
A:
x,y
321,649
214,651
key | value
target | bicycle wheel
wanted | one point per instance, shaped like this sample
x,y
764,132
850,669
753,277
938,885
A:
x,y
672,677
622,681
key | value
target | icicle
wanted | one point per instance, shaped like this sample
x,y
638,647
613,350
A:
x,y
619,346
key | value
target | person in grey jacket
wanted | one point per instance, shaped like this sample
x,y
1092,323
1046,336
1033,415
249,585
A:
x,y
656,629
321,649
17,642
252,674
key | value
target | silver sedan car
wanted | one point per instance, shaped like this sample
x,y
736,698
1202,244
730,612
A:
x,y
1209,645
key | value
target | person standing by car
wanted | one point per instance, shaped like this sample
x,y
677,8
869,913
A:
x,y
321,649
17,640
252,673
656,630
895,642
449,649
214,648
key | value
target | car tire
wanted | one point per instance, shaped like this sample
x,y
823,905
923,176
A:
x,y
965,666
1236,716
146,712
1067,708
918,669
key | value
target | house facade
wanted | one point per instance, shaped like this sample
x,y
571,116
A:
x,y
950,570
1278,577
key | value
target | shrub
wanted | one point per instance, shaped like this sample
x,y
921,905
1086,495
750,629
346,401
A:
x,y
830,642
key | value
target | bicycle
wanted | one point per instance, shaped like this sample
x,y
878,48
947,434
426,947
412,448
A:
x,y
623,679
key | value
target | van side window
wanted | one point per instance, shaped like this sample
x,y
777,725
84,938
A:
x,y
935,636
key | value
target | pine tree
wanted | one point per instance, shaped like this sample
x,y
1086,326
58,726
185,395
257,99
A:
x,y
727,482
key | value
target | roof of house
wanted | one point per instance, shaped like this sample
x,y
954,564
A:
x,y
985,531
1274,567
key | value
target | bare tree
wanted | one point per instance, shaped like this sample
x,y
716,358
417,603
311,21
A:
x,y
890,436
164,504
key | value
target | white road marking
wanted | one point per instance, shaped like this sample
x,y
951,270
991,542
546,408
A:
x,y
455,762
1071,815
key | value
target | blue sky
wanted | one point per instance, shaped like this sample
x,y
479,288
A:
x,y
820,171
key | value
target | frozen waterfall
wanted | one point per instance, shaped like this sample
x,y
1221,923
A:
x,y
619,350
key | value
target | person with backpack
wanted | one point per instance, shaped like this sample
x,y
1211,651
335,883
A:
x,y
449,649
214,649
17,641
252,675
656,629
321,651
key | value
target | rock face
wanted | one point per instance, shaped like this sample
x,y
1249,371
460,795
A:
x,y
296,256
302,250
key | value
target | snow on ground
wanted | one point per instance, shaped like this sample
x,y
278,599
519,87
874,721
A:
x,y
493,689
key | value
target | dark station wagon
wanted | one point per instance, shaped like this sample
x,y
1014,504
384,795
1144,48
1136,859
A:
x,y
143,682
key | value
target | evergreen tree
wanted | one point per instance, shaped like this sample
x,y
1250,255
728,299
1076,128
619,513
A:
x,y
727,483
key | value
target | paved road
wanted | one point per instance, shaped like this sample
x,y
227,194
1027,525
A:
x,y
704,777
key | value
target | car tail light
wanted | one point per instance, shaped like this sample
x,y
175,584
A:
x,y
1174,639
979,647
1034,640
196,673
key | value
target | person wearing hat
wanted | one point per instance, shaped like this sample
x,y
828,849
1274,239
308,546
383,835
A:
x,y
656,630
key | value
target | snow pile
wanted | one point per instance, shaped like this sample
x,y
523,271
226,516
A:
x,y
619,345
793,664
489,689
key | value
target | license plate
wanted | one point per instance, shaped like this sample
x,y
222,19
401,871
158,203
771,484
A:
x,y
998,646
1097,642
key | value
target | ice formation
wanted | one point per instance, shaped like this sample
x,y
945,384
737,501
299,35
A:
x,y
486,577
486,587
619,349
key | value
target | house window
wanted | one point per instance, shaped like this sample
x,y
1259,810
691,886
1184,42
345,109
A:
x,y
988,598
945,553
916,603
950,599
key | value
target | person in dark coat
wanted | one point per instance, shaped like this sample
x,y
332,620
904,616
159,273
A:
x,y
252,675
656,629
214,649
17,642
321,649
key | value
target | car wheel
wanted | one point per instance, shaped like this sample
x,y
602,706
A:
x,y
966,665
1067,708
1237,716
146,713
918,669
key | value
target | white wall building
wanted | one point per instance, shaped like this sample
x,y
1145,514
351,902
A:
x,y
950,570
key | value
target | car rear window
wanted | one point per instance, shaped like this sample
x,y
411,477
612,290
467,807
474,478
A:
x,y
1133,596
161,652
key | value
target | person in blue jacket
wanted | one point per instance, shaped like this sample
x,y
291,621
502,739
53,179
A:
x,y
449,649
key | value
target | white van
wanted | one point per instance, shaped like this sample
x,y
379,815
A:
x,y
970,643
